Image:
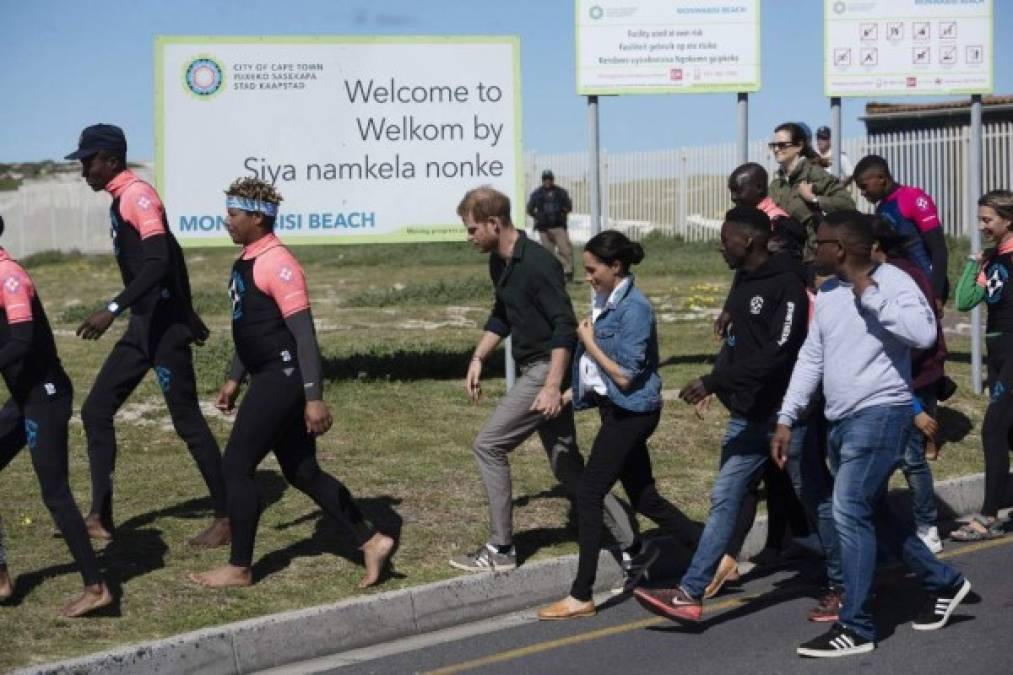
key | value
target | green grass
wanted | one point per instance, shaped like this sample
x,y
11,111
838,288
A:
x,y
442,292
394,361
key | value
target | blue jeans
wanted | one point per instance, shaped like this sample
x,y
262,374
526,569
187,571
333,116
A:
x,y
917,472
807,468
744,453
865,448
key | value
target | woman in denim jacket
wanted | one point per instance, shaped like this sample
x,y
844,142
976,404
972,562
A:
x,y
615,368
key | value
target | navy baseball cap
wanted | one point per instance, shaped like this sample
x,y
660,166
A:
x,y
99,137
547,174
823,132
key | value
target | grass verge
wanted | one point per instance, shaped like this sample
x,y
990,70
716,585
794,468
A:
x,y
401,442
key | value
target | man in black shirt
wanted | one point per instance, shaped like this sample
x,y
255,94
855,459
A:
x,y
531,307
549,205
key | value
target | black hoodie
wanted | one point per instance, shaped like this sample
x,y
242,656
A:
x,y
770,313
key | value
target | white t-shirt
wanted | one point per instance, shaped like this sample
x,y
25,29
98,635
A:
x,y
847,167
590,375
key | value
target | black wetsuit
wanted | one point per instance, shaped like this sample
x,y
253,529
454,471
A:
x,y
161,327
997,426
280,352
39,409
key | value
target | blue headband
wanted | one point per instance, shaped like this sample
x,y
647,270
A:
x,y
254,205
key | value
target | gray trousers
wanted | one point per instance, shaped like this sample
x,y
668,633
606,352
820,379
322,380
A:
x,y
557,240
510,424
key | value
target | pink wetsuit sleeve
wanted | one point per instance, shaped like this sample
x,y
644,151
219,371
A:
x,y
918,207
16,293
141,206
278,274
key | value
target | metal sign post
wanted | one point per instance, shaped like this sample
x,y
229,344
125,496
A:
x,y
835,134
594,164
742,143
974,188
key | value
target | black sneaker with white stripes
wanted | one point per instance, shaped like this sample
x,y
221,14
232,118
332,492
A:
x,y
939,606
838,641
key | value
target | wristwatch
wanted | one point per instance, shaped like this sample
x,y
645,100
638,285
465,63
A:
x,y
114,307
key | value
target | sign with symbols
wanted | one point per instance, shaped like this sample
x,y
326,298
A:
x,y
667,46
907,47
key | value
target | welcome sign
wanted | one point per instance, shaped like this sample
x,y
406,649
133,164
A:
x,y
367,139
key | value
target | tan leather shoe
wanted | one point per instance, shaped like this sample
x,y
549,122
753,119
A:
x,y
728,570
567,608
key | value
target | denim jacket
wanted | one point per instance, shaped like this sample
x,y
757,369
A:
x,y
627,333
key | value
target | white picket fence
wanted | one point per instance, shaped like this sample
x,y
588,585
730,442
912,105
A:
x,y
680,192
683,191
58,214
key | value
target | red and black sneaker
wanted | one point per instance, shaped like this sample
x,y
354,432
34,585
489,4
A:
x,y
828,607
671,603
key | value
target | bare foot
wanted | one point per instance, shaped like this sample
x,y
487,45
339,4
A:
x,y
376,552
6,586
218,533
228,576
96,530
94,597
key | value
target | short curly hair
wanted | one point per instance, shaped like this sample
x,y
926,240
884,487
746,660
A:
x,y
254,188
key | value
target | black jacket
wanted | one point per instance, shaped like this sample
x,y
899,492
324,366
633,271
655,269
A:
x,y
549,207
770,313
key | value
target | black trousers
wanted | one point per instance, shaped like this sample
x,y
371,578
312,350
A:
x,y
271,418
998,424
619,453
784,511
145,346
42,427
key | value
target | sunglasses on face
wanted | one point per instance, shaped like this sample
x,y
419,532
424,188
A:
x,y
781,145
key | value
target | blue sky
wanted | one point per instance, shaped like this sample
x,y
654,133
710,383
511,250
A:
x,y
70,63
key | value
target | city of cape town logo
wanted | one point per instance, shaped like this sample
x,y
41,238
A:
x,y
204,77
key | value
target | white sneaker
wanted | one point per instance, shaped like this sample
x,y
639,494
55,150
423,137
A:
x,y
930,537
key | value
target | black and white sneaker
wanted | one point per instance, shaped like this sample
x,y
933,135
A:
x,y
486,559
939,606
838,641
635,568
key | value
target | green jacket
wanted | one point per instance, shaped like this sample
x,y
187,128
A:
x,y
969,293
832,195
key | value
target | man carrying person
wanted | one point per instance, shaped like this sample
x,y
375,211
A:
x,y
768,307
912,213
161,327
549,205
866,322
747,186
532,307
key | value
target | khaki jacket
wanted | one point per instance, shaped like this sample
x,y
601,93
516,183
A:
x,y
832,195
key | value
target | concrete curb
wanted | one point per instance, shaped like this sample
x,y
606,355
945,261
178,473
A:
x,y
274,640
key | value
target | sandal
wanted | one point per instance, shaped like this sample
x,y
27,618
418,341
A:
x,y
967,532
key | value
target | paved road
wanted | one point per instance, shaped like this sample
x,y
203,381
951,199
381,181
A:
x,y
751,630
